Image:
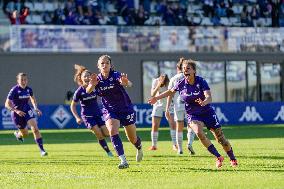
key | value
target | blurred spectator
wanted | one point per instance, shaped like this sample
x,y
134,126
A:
x,y
141,16
17,18
254,15
245,20
68,98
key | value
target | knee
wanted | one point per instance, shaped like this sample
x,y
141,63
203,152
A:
x,y
25,134
201,135
35,130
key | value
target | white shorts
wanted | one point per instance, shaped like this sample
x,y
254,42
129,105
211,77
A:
x,y
179,115
158,111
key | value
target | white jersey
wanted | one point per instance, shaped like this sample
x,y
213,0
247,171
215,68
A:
x,y
178,102
162,102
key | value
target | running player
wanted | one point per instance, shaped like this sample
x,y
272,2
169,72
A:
x,y
90,112
22,114
196,94
118,109
179,112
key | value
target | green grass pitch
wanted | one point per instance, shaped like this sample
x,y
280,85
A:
x,y
77,161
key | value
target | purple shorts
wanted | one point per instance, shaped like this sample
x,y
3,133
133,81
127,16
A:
x,y
21,122
126,118
209,118
91,121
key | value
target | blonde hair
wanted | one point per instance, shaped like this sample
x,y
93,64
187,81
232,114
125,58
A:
x,y
105,56
79,71
21,74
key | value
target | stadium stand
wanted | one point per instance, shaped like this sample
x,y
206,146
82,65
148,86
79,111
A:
x,y
247,13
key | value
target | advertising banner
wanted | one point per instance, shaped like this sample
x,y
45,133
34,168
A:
x,y
60,116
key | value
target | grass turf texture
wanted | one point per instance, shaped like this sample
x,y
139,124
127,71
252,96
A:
x,y
77,161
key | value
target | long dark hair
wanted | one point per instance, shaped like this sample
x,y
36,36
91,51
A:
x,y
166,81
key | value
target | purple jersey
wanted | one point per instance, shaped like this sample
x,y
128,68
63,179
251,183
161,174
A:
x,y
89,104
189,93
20,97
114,96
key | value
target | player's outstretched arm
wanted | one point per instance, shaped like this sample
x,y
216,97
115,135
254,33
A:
x,y
154,99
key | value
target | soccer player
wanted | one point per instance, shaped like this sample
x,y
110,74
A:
x,y
196,94
160,85
179,112
118,108
90,111
22,114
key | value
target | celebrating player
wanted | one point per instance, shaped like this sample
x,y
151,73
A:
x,y
90,112
118,109
196,94
179,112
160,85
22,114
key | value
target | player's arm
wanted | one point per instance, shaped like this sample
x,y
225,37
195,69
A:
x,y
74,112
92,84
169,101
34,103
207,100
124,81
154,99
156,85
9,105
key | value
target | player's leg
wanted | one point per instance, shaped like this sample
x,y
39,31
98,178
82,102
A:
x,y
179,119
197,127
101,138
128,119
21,133
154,132
130,131
172,125
113,128
37,136
21,124
220,138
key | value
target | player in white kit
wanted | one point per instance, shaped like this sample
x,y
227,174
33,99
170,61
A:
x,y
160,85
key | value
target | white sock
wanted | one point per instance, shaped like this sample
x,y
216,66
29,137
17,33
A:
x,y
179,140
154,138
173,136
190,136
122,158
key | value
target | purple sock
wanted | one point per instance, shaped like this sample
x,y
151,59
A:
x,y
213,150
138,144
104,145
117,144
231,154
39,143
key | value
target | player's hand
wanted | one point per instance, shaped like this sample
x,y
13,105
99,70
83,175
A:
x,y
168,115
39,113
123,79
20,113
152,100
94,79
200,102
161,80
79,120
